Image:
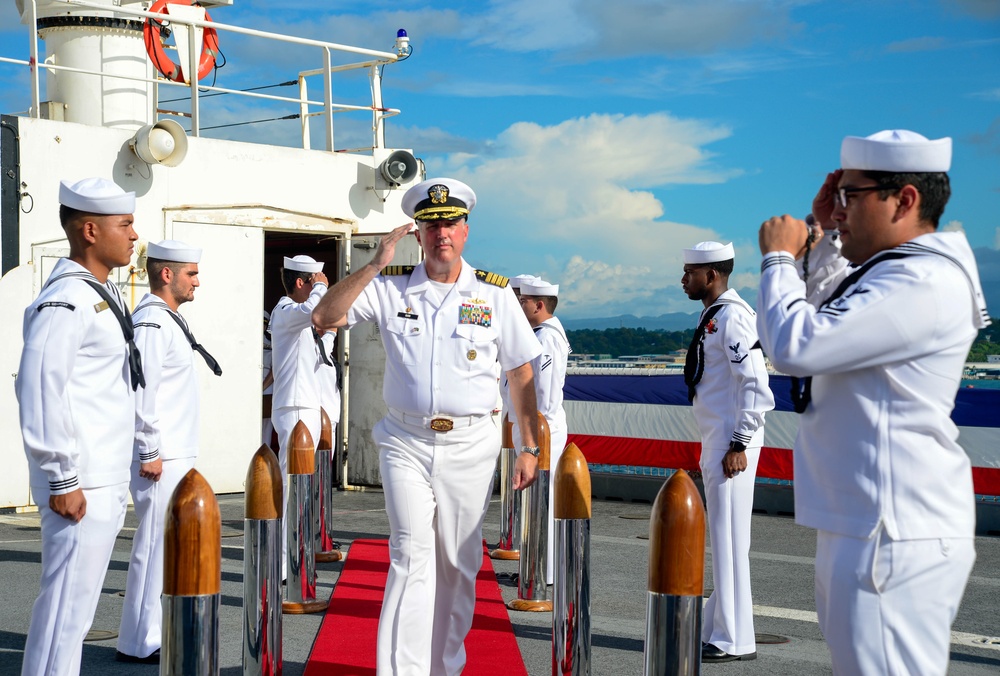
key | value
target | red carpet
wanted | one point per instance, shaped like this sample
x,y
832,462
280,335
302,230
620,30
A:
x,y
345,644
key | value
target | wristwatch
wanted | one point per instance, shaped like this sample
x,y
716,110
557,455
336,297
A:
x,y
737,446
530,449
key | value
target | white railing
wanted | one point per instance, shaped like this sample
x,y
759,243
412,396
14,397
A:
x,y
303,104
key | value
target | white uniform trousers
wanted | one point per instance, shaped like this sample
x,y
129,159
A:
x,y
728,613
886,607
437,488
284,420
142,613
75,558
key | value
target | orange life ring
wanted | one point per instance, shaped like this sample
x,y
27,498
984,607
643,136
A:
x,y
154,44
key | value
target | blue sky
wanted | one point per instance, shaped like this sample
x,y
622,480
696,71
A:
x,y
603,137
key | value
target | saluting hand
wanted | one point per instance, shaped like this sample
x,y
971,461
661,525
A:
x,y
823,204
72,506
387,245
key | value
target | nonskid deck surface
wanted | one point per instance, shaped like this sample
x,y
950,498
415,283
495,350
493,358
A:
x,y
781,566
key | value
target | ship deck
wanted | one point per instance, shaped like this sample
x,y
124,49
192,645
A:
x,y
781,565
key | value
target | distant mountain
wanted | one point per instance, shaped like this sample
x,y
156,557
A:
x,y
674,321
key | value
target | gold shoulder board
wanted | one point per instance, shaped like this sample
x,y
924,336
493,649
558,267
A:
x,y
392,270
492,278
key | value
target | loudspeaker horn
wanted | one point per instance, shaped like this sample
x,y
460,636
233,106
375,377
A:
x,y
398,168
162,143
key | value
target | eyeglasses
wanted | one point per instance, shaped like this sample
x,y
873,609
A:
x,y
843,193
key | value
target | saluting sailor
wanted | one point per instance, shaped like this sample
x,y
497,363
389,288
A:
x,y
728,387
167,415
878,468
444,325
75,388
296,358
538,302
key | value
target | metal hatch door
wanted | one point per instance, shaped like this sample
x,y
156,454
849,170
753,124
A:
x,y
225,318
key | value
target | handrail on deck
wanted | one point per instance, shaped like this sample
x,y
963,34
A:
x,y
303,103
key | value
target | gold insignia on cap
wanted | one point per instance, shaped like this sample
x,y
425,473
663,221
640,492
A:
x,y
471,354
438,193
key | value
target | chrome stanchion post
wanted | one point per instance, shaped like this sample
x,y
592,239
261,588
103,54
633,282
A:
x,y
532,591
508,549
192,580
327,550
571,646
676,580
300,589
262,545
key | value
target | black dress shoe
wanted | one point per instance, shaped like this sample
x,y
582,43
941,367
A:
x,y
710,654
153,658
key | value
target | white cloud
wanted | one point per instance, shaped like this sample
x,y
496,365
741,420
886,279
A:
x,y
593,29
996,239
575,201
952,226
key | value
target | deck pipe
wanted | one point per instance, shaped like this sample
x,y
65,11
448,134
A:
x,y
508,548
300,589
532,591
327,549
262,565
571,511
676,580
192,580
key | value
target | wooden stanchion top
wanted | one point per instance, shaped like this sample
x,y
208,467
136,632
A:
x,y
325,442
571,486
301,452
508,433
192,540
544,444
263,494
677,539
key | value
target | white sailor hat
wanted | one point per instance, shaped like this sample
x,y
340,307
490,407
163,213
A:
x,y
516,282
708,252
302,263
173,251
896,150
539,287
438,198
96,196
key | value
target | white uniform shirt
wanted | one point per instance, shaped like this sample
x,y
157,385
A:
x,y
329,387
877,445
550,375
73,387
167,410
440,356
733,394
295,356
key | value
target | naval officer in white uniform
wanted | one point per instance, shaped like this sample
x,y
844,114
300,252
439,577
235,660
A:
x,y
167,415
444,325
728,387
295,361
75,390
538,302
878,470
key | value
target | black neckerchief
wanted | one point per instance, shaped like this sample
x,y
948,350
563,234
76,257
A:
x,y
694,362
124,320
195,345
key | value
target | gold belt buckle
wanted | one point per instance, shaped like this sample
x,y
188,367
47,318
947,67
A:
x,y
442,424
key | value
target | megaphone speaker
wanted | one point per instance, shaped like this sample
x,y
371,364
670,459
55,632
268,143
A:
x,y
398,168
162,143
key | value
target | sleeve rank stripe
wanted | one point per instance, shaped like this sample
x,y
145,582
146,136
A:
x,y
393,270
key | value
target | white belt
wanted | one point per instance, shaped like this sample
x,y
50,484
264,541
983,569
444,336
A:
x,y
438,423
